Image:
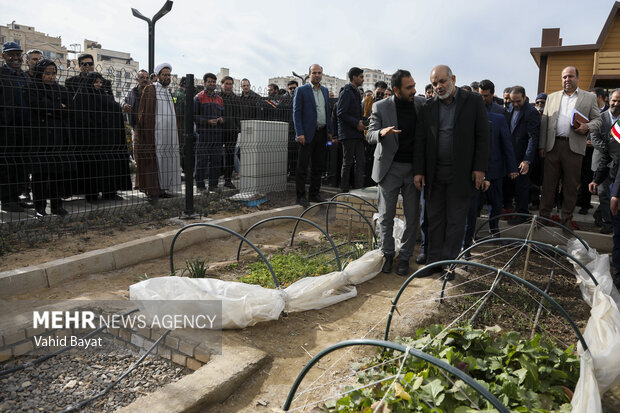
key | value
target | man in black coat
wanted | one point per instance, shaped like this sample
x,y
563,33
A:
x,y
450,160
87,65
14,127
230,128
351,130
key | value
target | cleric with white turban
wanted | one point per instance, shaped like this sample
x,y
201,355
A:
x,y
162,66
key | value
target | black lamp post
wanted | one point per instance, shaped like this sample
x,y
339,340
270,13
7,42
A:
x,y
151,22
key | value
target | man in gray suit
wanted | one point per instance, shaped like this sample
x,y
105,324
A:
x,y
392,128
563,142
607,162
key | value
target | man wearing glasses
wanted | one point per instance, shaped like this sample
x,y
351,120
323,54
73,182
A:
x,y
87,65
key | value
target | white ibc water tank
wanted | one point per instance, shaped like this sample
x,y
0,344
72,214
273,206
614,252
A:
x,y
263,146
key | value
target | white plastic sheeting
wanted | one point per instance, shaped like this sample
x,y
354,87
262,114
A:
x,y
245,305
242,304
587,398
600,365
598,266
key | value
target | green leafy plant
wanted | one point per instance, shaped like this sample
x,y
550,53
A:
x,y
288,269
525,375
195,268
140,277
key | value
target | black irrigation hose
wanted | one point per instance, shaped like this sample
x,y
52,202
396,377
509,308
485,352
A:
x,y
57,352
122,376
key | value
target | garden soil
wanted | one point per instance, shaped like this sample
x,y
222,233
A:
x,y
292,340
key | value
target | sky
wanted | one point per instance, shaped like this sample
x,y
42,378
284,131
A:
x,y
478,39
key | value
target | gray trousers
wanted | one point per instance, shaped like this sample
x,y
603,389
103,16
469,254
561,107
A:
x,y
446,214
398,180
604,198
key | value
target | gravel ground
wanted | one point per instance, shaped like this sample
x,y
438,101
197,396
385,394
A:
x,y
76,375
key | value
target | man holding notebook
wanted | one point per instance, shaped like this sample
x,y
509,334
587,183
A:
x,y
569,115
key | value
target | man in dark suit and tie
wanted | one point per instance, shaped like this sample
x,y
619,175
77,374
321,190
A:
x,y
313,126
524,129
392,128
450,159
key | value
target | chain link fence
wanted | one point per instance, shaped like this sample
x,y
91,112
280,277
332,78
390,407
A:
x,y
85,149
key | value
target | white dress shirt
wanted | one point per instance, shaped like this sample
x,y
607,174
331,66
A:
x,y
567,104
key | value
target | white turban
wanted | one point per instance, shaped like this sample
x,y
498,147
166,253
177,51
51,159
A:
x,y
162,66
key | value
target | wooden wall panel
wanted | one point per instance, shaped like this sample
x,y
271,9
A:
x,y
612,40
584,61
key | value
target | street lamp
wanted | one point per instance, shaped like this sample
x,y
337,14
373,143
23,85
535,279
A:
x,y
151,22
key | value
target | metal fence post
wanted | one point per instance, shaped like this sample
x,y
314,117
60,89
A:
x,y
189,145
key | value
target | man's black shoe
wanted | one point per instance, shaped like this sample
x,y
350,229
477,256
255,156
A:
x,y
12,207
598,218
112,196
403,268
26,204
387,265
303,202
607,229
428,271
583,211
229,185
60,211
317,198
420,259
450,275
517,220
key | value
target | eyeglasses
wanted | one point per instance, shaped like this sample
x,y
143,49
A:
x,y
87,64
292,88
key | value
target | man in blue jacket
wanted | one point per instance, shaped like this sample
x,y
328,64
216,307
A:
x,y
524,129
501,163
351,130
312,127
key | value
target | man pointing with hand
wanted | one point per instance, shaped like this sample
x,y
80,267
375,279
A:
x,y
392,128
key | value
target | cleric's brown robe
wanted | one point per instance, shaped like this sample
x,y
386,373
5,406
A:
x,y
144,146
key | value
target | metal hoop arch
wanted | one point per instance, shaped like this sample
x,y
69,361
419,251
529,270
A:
x,y
397,347
289,218
328,203
537,218
487,267
230,231
532,242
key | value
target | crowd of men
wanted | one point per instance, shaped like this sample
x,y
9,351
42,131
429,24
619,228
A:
x,y
57,141
446,152
453,149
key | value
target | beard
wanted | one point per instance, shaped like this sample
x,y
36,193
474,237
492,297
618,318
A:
x,y
447,94
164,82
